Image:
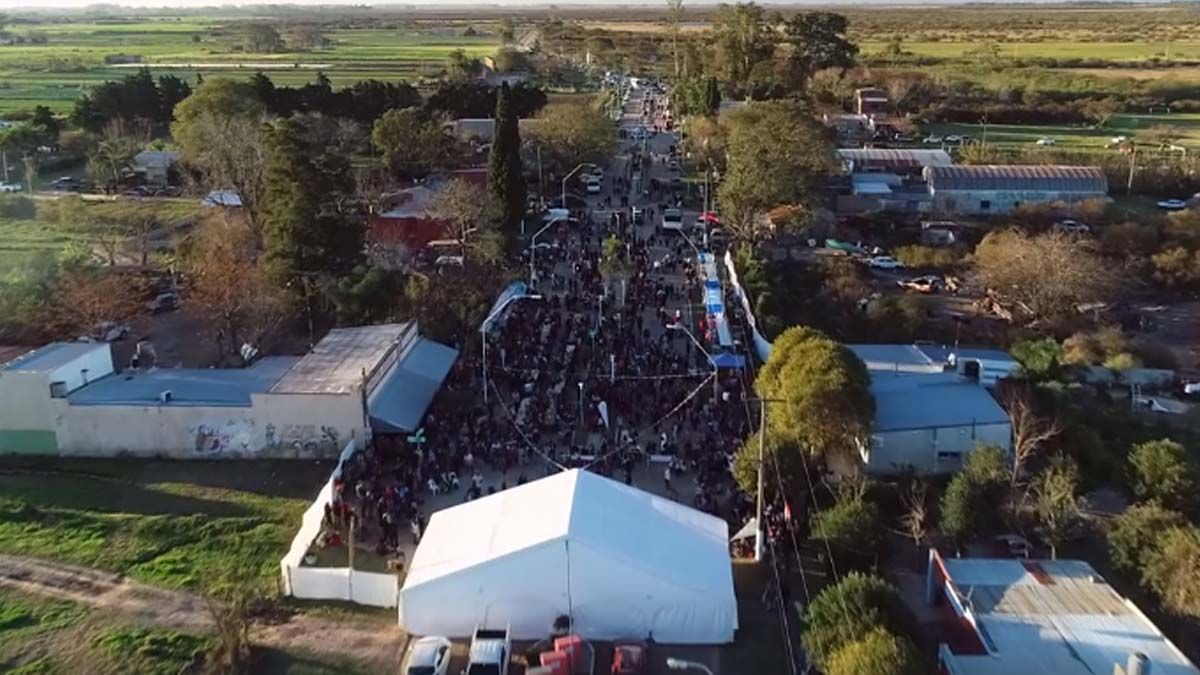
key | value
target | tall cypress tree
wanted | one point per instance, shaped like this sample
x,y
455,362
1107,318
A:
x,y
506,178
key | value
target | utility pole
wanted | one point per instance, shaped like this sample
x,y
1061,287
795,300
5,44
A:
x,y
762,454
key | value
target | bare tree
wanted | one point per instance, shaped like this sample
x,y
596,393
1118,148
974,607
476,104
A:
x,y
231,153
30,162
1030,431
1054,499
915,521
87,299
674,16
230,286
1044,276
472,216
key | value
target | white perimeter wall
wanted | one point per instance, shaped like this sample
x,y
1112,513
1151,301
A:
x,y
891,451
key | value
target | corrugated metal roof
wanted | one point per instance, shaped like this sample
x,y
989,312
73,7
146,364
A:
x,y
908,401
895,157
339,362
1017,178
1055,617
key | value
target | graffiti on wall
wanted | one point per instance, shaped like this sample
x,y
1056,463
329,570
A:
x,y
303,439
229,437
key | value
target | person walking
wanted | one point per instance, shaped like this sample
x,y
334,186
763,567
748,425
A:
x,y
667,482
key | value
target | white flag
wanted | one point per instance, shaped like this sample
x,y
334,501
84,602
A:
x,y
604,412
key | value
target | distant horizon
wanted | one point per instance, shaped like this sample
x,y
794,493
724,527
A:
x,y
161,6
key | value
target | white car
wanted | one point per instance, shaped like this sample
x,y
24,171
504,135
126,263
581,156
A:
x,y
884,262
1046,140
9,187
427,656
1172,205
954,138
932,140
593,186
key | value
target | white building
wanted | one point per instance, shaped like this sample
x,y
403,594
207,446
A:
x,y
1042,617
68,399
621,562
932,406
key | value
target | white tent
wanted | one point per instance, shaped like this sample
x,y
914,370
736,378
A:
x,y
623,562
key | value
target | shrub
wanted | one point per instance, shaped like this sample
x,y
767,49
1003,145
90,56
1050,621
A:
x,y
877,653
1133,535
925,256
1161,471
1173,570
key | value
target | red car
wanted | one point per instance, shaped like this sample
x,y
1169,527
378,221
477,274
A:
x,y
629,658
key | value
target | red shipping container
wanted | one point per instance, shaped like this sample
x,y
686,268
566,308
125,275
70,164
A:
x,y
559,663
573,645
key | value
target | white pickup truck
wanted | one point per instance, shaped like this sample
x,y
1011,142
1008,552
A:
x,y
672,219
490,652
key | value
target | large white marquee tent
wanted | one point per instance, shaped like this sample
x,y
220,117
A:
x,y
623,562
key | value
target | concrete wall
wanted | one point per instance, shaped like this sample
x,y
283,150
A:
x,y
27,419
970,202
97,363
279,426
932,450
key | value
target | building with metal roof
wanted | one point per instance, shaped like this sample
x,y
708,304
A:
x,y
931,409
899,160
989,190
68,399
1043,617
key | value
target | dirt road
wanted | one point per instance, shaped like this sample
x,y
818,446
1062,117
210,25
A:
x,y
373,643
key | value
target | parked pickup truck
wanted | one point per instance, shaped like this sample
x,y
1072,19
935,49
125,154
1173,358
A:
x,y
490,652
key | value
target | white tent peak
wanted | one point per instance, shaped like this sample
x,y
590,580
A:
x,y
625,562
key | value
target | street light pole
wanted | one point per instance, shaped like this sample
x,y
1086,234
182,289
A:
x,y
568,177
483,336
533,248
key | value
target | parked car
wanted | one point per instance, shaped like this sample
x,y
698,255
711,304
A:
x,y
903,138
954,138
925,284
932,140
1172,205
884,262
10,187
673,164
1011,546
1070,226
163,302
490,652
629,658
1046,140
593,186
427,656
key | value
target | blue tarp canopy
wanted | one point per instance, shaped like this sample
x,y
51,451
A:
x,y
727,360
399,403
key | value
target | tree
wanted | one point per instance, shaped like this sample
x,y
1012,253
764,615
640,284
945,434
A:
x,y
1162,471
472,217
1045,275
89,300
171,91
114,152
45,121
850,527
822,389
776,154
1134,534
220,130
846,611
1173,570
310,227
742,41
571,133
230,287
674,16
1029,429
915,521
507,32
459,67
260,38
971,505
877,653
1056,503
307,38
131,99
818,41
412,143
506,175
1039,358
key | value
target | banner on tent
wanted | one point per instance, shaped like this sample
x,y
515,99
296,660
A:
x,y
762,346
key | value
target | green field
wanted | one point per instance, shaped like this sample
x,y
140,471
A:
x,y
73,59
1051,49
1076,137
181,525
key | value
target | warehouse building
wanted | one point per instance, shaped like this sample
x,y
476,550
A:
x,y
1042,617
69,399
932,406
991,190
892,160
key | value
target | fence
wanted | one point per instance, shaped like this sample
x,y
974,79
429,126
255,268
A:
x,y
332,583
761,346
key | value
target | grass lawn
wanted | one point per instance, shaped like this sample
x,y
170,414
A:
x,y
1076,137
73,59
1050,48
23,240
175,524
